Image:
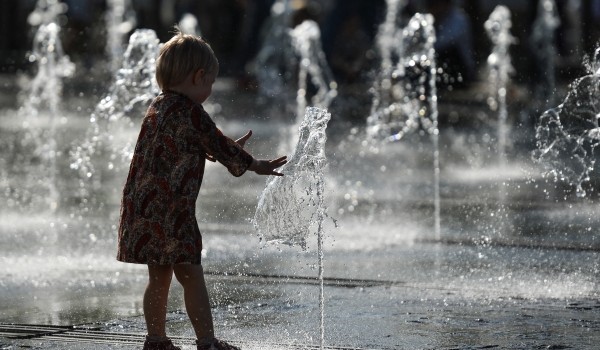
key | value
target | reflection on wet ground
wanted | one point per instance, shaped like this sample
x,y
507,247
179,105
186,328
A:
x,y
409,296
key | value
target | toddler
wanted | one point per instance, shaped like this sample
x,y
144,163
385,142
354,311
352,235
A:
x,y
157,224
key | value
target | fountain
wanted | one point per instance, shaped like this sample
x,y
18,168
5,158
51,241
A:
x,y
544,48
306,38
411,87
499,63
293,206
275,57
387,39
133,88
189,24
568,135
41,110
120,20
390,281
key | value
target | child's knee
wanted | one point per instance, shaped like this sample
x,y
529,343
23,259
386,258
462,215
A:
x,y
160,274
188,272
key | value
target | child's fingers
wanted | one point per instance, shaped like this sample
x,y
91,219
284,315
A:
x,y
247,136
281,161
242,140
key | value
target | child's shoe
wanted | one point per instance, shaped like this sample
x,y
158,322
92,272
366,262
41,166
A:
x,y
160,345
216,344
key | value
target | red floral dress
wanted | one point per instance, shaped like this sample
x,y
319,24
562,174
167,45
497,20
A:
x,y
158,220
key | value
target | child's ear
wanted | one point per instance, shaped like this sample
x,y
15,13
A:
x,y
199,76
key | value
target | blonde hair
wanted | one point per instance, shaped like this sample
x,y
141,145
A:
x,y
181,55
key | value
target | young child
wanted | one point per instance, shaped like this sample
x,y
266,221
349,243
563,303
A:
x,y
158,225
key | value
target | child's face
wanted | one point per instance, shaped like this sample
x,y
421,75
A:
x,y
203,82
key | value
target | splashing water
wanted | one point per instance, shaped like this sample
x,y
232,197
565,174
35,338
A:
x,y
288,208
134,87
568,135
292,206
498,29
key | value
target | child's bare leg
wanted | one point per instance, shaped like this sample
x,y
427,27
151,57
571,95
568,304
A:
x,y
155,299
196,299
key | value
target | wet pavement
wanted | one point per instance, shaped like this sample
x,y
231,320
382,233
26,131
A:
x,y
423,302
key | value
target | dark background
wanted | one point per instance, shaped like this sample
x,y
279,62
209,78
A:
x,y
235,29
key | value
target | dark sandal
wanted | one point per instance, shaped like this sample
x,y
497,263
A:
x,y
160,345
217,345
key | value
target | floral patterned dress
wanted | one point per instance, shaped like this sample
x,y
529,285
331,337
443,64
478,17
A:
x,y
158,222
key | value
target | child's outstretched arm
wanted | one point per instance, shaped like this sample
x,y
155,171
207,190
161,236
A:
x,y
263,166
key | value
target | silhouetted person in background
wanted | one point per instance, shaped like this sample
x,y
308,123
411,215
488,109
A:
x,y
348,32
454,43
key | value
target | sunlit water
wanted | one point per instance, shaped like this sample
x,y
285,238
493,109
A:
x,y
567,136
500,66
543,42
513,278
60,268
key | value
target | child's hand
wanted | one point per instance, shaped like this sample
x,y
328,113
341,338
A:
x,y
267,167
242,140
